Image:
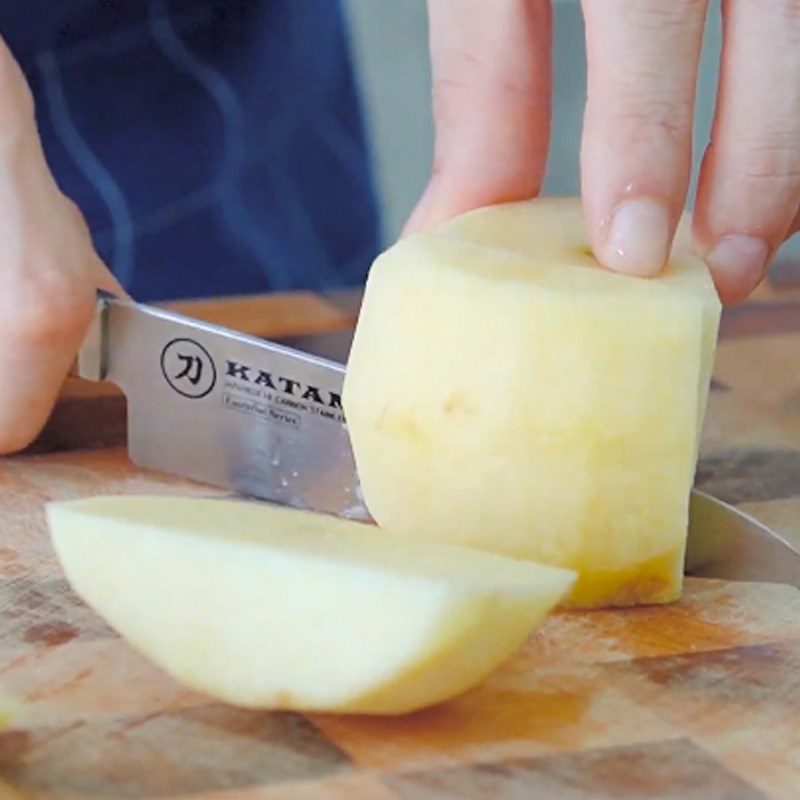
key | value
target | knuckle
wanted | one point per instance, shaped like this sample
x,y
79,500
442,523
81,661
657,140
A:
x,y
54,245
468,77
774,158
14,438
780,9
47,310
789,8
771,23
444,101
453,80
656,115
76,225
649,121
676,13
73,213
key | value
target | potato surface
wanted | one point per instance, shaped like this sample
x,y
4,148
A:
x,y
507,393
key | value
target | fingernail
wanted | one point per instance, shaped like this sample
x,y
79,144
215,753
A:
x,y
738,262
638,238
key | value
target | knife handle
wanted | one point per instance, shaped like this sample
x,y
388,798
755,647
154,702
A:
x,y
90,362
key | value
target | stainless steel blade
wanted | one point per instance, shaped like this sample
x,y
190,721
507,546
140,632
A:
x,y
226,409
727,543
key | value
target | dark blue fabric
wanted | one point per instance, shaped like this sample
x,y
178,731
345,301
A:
x,y
215,146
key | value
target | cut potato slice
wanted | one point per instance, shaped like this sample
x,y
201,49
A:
x,y
270,607
507,393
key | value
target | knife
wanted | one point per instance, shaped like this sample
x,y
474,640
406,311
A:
x,y
265,420
225,408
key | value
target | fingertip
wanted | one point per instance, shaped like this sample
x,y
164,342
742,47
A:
x,y
636,239
737,263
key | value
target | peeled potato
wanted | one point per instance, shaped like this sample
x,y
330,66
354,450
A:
x,y
507,393
270,607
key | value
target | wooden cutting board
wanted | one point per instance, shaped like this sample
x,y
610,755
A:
x,y
699,699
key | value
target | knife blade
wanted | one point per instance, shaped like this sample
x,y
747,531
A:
x,y
226,409
724,542
264,419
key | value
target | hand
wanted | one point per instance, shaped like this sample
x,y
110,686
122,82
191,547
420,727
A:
x,y
49,271
492,84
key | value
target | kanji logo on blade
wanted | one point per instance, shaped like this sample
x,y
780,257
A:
x,y
188,368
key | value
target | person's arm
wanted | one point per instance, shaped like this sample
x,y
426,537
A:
x,y
491,102
49,270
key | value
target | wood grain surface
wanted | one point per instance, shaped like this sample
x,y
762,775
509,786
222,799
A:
x,y
698,700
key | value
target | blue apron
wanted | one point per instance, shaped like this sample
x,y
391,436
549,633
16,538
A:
x,y
215,146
